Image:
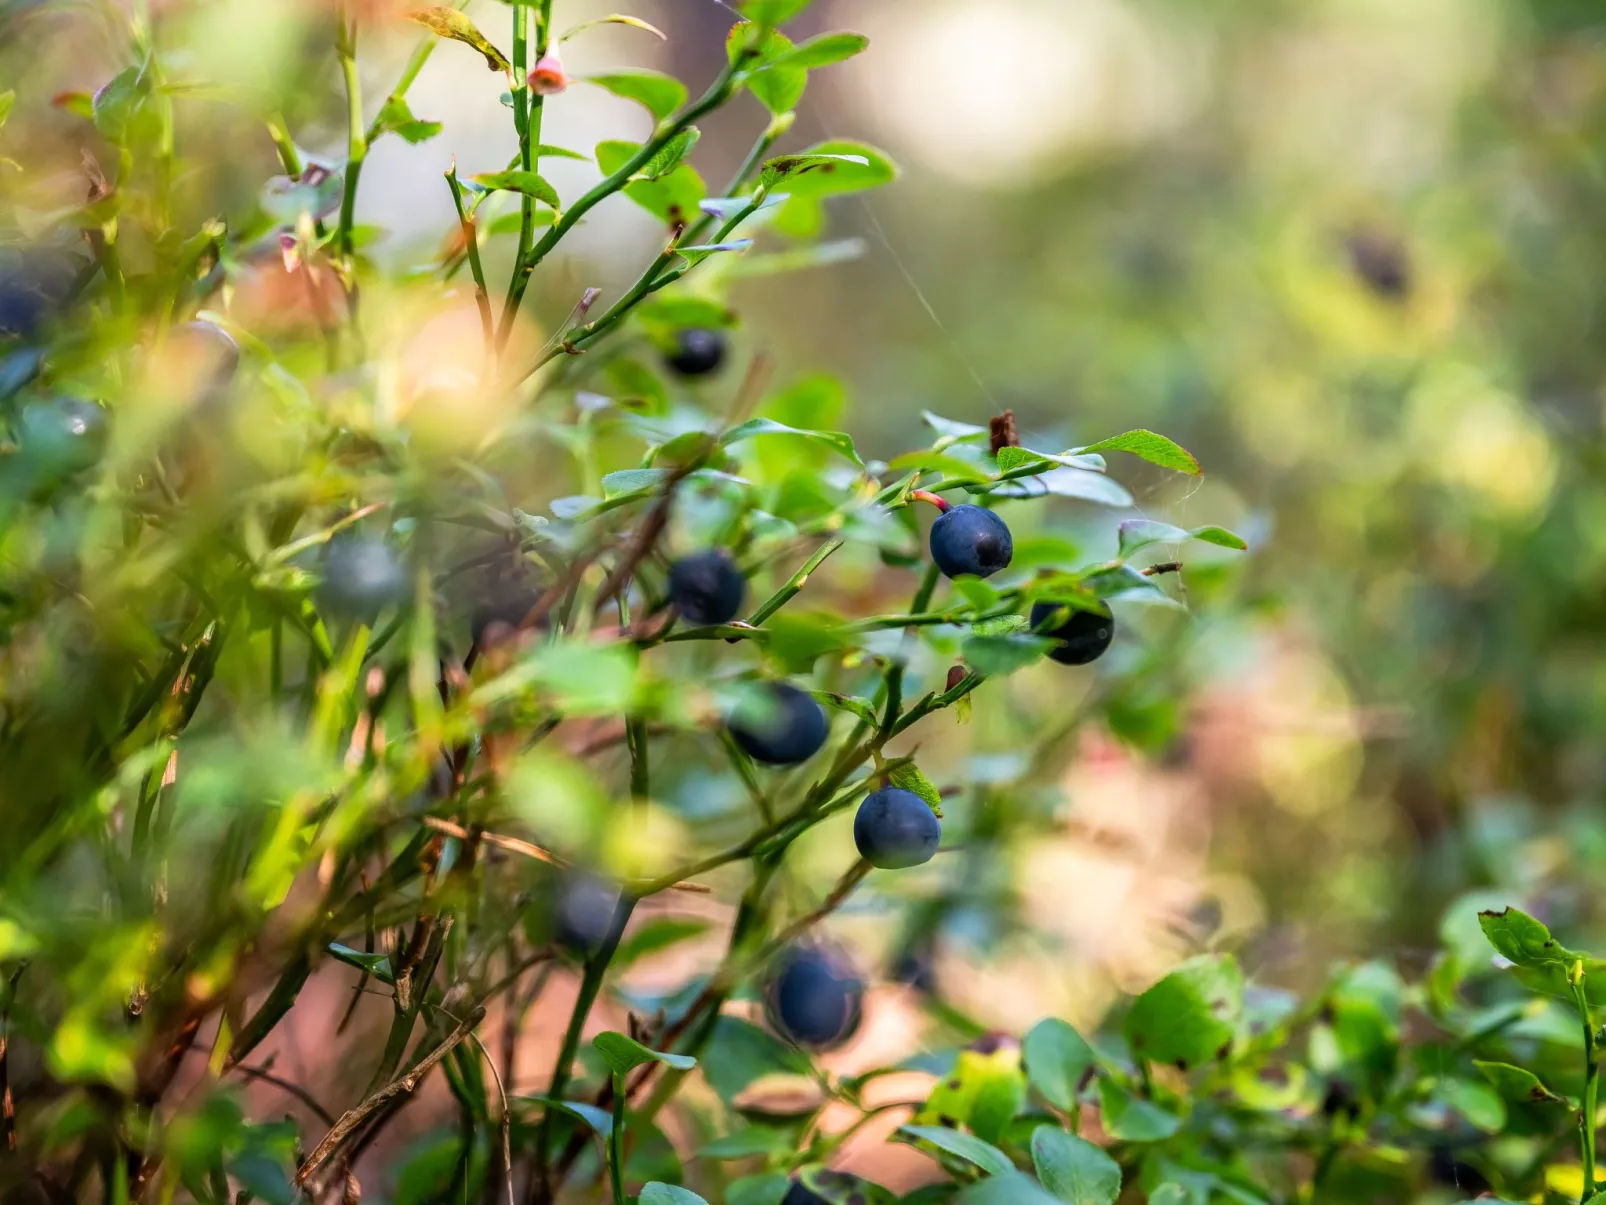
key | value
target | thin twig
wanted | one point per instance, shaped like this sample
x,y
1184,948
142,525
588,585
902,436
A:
x,y
402,1084
517,846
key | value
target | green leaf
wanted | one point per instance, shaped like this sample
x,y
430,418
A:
x,y
529,183
624,1054
614,19
657,934
631,481
449,23
937,462
377,965
1010,1189
836,440
1002,625
842,172
1130,1118
1140,533
1058,1060
820,51
907,776
599,1120
841,1188
772,12
1170,1194
849,703
749,1141
396,117
1189,1017
1156,449
1212,534
669,157
1479,1103
1010,459
766,1188
658,1193
1521,939
950,432
118,103
658,93
1073,1169
1517,1083
966,1146
1086,485
979,594
786,168
996,655
7,99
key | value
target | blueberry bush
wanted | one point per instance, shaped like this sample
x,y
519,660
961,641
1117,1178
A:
x,y
422,628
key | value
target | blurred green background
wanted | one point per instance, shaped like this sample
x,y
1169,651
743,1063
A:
x,y
1348,252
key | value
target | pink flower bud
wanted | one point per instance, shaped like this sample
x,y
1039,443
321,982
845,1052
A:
x,y
548,78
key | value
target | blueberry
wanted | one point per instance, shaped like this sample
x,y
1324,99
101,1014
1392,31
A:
x,y
697,352
707,587
1083,635
60,436
895,828
801,1194
814,996
34,285
584,913
970,539
779,725
215,356
361,577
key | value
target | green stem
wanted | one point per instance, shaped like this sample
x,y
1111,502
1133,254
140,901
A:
x,y
590,984
616,1140
794,583
718,93
1586,1113
471,241
356,138
922,600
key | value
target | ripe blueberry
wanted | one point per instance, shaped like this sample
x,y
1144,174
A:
x,y
584,913
214,355
34,285
361,577
814,996
1083,635
707,587
60,436
778,724
895,828
801,1194
698,351
970,539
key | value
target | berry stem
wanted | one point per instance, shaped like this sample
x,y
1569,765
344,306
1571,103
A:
x,y
939,502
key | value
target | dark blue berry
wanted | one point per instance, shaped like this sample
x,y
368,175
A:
x,y
1082,635
800,1194
34,285
707,587
697,352
895,828
361,577
60,436
215,358
584,913
778,724
814,996
970,539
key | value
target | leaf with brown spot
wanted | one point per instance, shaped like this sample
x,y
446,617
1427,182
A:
x,y
449,23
